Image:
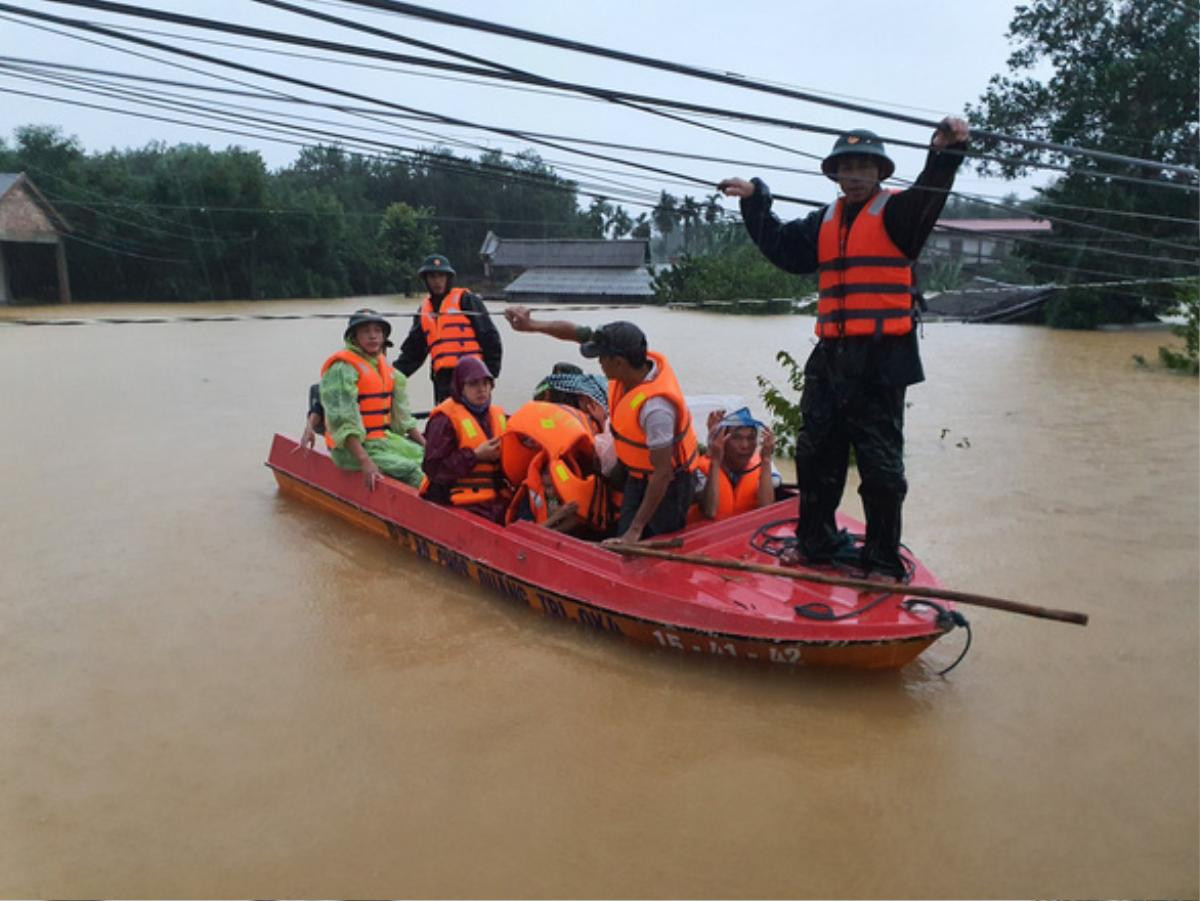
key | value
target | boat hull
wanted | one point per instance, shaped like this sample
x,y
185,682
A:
x,y
536,580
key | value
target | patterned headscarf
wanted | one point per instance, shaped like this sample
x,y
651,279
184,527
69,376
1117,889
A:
x,y
575,383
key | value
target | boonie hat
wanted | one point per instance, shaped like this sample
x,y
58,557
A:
x,y
362,317
616,339
435,262
859,142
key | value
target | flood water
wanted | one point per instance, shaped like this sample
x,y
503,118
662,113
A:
x,y
210,690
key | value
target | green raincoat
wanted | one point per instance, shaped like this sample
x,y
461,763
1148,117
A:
x,y
395,455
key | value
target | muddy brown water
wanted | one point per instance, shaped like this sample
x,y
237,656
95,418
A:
x,y
210,690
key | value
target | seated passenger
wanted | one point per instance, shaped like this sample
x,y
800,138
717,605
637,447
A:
x,y
462,445
365,401
738,477
650,422
548,455
554,461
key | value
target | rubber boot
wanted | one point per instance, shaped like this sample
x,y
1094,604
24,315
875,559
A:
x,y
881,550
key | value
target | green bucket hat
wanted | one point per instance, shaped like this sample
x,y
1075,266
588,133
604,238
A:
x,y
435,262
362,317
859,142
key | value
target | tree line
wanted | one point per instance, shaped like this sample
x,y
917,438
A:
x,y
188,222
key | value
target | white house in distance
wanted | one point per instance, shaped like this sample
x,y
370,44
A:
x,y
980,242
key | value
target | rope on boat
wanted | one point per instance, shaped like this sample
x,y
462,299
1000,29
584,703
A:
x,y
766,542
946,620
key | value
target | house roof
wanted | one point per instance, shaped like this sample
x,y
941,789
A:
x,y
994,225
530,253
590,281
9,180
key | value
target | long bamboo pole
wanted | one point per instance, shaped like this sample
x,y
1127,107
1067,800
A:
x,y
921,591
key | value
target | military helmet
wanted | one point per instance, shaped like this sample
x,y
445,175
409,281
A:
x,y
859,142
362,317
435,262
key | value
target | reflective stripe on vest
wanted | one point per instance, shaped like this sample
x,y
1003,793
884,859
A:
x,y
560,467
630,438
865,282
482,482
374,392
449,333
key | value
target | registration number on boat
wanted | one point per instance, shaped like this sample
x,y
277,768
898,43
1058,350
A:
x,y
722,648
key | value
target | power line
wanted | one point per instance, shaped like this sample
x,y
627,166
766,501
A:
x,y
657,170
994,235
460,21
621,97
973,196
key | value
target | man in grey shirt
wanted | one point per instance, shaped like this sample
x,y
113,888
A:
x,y
650,422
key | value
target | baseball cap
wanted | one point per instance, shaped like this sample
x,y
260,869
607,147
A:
x,y
616,339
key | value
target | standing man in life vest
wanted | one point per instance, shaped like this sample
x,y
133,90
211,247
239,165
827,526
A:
x,y
650,421
451,324
864,247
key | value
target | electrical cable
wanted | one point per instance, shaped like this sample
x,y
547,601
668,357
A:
x,y
614,96
468,22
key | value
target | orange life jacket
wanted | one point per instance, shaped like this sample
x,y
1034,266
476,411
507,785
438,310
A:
x,y
628,435
865,282
731,499
449,333
547,452
374,392
482,483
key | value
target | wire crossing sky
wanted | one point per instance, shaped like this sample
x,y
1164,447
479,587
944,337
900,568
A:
x,y
519,86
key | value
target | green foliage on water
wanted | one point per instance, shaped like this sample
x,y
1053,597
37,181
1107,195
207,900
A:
x,y
1187,360
739,274
784,408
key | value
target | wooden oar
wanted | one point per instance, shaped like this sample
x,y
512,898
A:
x,y
920,591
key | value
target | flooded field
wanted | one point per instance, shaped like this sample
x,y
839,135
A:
x,y
211,690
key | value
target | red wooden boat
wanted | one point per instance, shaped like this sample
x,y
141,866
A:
x,y
693,609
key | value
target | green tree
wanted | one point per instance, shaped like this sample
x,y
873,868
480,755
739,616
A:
x,y
621,223
598,215
1123,78
740,273
665,214
786,418
406,237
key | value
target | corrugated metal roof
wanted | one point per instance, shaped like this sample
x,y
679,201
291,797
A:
x,y
587,253
588,281
996,225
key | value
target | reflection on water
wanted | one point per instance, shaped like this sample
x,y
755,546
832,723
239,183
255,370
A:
x,y
211,690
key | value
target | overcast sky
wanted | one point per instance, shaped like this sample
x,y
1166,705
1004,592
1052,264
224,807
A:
x,y
926,58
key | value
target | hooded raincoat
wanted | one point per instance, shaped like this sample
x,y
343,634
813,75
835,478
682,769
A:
x,y
395,455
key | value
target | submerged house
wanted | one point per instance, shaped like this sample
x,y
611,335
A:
x,y
569,271
981,242
33,257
